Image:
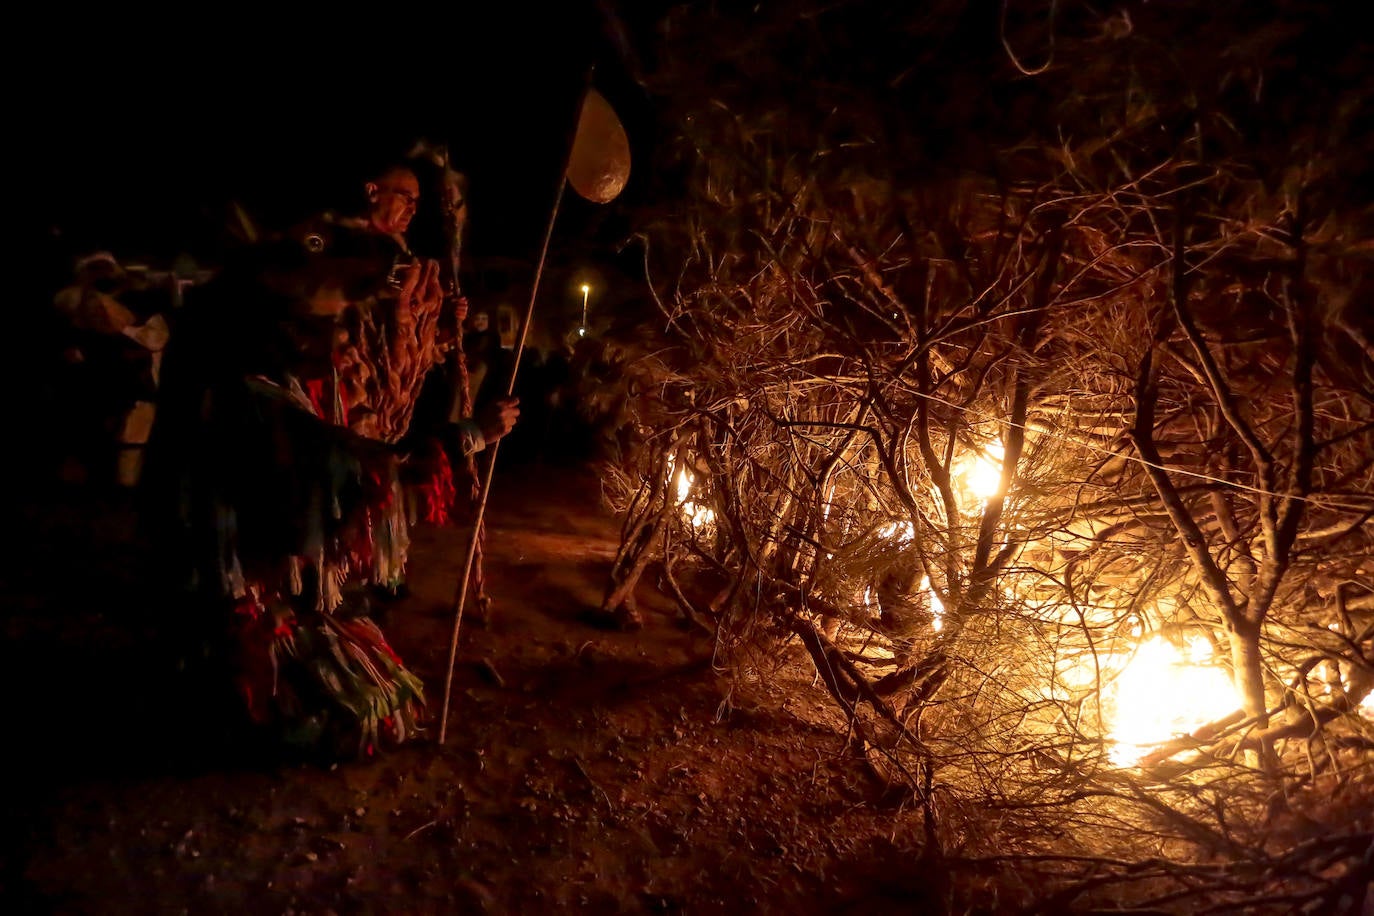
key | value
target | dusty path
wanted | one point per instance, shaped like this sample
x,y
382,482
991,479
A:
x,y
585,770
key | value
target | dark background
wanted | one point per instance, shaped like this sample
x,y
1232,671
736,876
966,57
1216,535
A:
x,y
136,133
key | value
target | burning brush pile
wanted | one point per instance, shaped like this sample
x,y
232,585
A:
x,y
1055,479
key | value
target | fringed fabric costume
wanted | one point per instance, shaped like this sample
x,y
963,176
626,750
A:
x,y
281,518
389,349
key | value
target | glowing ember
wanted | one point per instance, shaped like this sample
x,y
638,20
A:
x,y
1163,693
937,607
1366,706
902,532
684,484
980,472
697,515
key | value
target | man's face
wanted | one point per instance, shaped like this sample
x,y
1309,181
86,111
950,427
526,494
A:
x,y
393,199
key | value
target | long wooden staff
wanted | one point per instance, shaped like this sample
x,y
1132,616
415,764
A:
x,y
597,166
460,598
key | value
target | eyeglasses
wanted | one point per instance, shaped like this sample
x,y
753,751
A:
x,y
407,196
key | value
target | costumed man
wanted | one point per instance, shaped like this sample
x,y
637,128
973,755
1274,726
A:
x,y
277,488
394,347
268,509
397,337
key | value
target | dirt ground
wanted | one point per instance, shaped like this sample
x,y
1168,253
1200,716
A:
x,y
585,769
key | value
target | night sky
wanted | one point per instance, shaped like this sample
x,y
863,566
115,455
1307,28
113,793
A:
x,y
155,126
